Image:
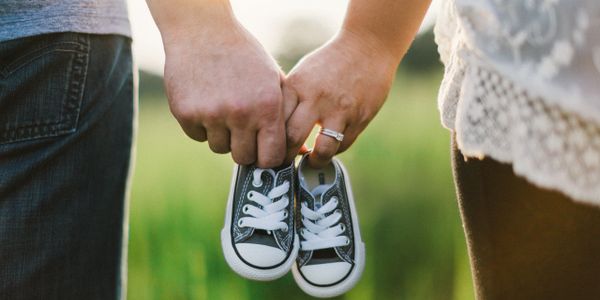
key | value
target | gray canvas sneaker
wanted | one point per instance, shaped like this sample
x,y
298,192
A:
x,y
332,255
259,240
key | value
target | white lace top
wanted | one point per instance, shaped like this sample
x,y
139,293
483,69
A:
x,y
522,86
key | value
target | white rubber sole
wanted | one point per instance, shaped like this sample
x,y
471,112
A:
x,y
235,263
359,256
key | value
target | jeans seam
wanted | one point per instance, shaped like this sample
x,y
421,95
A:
x,y
72,107
35,54
68,115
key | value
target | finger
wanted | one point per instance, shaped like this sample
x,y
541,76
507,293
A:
x,y
271,145
290,100
325,146
197,133
350,136
243,146
299,126
218,139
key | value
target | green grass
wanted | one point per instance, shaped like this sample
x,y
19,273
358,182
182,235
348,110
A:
x,y
402,182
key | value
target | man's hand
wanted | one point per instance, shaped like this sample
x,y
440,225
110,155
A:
x,y
222,85
341,87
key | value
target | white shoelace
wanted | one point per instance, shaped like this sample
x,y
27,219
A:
x,y
318,230
272,214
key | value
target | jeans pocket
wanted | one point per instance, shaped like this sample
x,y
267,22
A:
x,y
42,81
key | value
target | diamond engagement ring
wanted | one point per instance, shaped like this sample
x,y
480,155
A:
x,y
332,133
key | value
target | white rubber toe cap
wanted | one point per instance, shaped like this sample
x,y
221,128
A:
x,y
324,274
260,255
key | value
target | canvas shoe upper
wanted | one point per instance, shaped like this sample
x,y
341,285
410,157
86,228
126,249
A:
x,y
258,239
331,256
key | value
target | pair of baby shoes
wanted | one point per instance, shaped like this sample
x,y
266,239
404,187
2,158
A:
x,y
267,233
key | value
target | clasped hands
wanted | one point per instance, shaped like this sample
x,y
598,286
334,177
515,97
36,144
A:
x,y
224,88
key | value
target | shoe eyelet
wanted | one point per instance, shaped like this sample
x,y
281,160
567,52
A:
x,y
245,208
285,214
347,241
240,223
285,229
250,195
334,199
339,211
342,227
257,184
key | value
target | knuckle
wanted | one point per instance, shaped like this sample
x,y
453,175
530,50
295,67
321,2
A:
x,y
183,112
271,161
239,110
210,115
269,101
347,104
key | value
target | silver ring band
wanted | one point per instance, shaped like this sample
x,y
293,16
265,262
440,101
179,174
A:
x,y
332,133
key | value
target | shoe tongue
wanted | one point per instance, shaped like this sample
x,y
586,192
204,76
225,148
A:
x,y
320,189
317,192
275,172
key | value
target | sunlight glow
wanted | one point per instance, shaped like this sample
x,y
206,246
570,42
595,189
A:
x,y
264,18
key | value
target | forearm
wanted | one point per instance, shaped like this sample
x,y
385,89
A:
x,y
389,26
180,18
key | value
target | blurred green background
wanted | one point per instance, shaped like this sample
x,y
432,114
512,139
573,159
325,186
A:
x,y
399,167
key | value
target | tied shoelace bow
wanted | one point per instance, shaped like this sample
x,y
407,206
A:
x,y
318,230
270,214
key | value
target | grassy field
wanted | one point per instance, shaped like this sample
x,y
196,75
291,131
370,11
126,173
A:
x,y
402,182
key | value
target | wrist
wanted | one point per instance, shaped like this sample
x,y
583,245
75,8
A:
x,y
369,44
371,49
182,19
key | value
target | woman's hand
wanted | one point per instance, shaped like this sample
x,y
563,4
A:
x,y
341,87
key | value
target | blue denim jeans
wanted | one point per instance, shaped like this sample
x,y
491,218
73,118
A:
x,y
66,129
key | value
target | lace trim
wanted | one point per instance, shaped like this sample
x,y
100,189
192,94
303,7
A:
x,y
547,145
